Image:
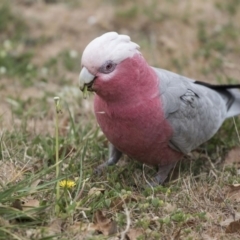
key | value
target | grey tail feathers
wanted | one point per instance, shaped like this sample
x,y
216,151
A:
x,y
230,93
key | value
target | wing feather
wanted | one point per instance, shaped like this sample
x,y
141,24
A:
x,y
194,111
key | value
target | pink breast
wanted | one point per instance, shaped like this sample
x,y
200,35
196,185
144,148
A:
x,y
140,131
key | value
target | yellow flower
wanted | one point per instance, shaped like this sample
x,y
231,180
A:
x,y
67,184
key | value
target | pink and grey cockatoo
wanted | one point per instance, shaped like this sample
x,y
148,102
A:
x,y
150,114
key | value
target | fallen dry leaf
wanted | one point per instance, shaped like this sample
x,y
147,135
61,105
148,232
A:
x,y
169,208
177,234
9,172
4,222
17,204
54,229
41,233
103,224
233,227
33,233
34,185
207,236
118,203
56,225
82,229
29,203
227,221
233,192
134,233
95,191
233,158
235,187
25,205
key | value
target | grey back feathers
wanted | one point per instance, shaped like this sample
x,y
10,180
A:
x,y
230,94
195,110
235,106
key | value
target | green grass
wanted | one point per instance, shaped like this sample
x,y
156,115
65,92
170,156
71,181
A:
x,y
11,25
196,199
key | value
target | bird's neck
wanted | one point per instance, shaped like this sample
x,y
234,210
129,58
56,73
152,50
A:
x,y
134,81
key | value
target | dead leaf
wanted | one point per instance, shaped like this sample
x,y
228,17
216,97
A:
x,y
9,172
54,229
25,205
169,207
227,221
96,191
233,192
82,228
40,233
118,203
235,187
233,158
17,204
134,233
29,203
4,222
34,185
177,234
56,226
103,224
233,227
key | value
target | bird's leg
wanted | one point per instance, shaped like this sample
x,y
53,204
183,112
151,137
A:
x,y
162,173
114,156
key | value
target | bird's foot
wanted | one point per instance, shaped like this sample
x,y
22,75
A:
x,y
100,169
162,174
114,156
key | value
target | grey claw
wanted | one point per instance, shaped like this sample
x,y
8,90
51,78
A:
x,y
99,169
162,174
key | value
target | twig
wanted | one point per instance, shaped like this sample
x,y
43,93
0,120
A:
x,y
81,191
236,129
57,108
123,234
148,181
230,209
213,170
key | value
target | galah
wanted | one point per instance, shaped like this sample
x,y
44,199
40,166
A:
x,y
150,114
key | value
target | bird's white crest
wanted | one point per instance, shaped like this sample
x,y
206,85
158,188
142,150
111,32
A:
x,y
109,46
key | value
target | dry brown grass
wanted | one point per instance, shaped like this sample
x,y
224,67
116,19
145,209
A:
x,y
199,39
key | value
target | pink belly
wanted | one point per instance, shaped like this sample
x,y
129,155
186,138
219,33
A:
x,y
141,132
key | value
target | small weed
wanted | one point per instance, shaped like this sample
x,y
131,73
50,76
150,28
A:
x,y
230,7
70,60
18,65
129,13
196,199
12,25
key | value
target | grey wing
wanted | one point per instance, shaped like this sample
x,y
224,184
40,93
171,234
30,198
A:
x,y
195,112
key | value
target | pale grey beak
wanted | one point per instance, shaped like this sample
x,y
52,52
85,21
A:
x,y
85,78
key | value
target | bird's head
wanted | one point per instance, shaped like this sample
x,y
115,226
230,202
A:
x,y
107,64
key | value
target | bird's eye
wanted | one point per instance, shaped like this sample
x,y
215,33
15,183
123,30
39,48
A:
x,y
107,67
